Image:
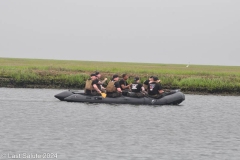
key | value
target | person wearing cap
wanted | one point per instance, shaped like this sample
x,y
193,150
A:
x,y
91,86
155,89
113,88
137,89
136,86
124,85
100,83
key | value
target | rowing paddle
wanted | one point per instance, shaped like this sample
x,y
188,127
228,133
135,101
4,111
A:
x,y
104,95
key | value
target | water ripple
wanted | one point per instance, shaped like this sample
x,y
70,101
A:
x,y
202,127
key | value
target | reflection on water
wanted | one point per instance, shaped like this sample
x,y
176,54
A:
x,y
202,127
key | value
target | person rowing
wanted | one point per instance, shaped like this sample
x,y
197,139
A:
x,y
137,89
155,89
92,87
98,76
145,83
149,80
125,87
113,88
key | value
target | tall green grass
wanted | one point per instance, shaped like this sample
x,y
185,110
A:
x,y
73,74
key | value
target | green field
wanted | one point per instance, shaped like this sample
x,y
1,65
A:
x,y
35,73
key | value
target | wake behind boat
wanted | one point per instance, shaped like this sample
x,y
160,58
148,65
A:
x,y
79,96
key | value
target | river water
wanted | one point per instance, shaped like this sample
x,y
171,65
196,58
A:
x,y
34,124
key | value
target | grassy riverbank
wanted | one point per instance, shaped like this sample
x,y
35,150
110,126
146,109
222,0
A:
x,y
35,73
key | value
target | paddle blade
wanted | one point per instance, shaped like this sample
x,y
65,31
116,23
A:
x,y
104,95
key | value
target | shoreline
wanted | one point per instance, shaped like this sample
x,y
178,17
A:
x,y
67,74
61,88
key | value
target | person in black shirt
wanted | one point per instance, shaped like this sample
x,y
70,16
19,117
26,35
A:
x,y
124,85
137,89
92,87
97,87
145,83
100,83
136,86
113,88
155,89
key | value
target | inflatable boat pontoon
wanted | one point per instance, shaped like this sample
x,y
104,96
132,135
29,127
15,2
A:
x,y
78,96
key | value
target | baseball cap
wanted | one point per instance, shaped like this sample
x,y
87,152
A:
x,y
136,78
93,75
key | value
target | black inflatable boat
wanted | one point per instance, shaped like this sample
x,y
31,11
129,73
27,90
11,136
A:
x,y
78,96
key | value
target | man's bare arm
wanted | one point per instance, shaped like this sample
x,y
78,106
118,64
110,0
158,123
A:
x,y
102,82
96,88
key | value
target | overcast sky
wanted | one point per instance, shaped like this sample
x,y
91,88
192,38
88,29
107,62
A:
x,y
153,31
